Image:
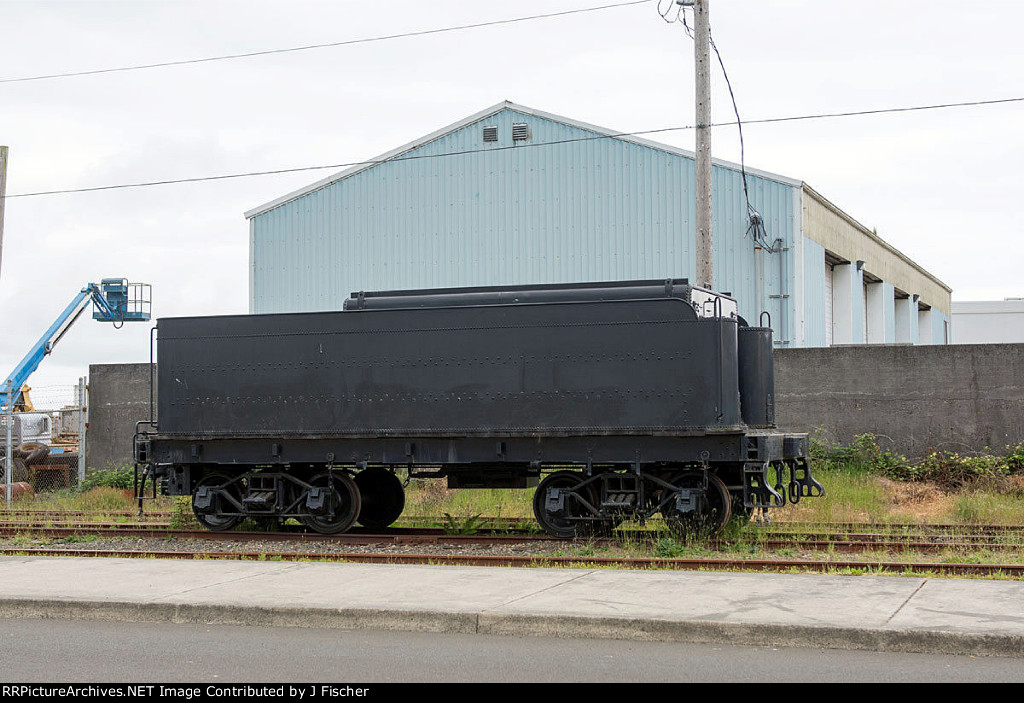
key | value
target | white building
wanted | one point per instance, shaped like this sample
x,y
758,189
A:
x,y
989,321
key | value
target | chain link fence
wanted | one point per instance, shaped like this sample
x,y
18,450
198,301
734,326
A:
x,y
42,440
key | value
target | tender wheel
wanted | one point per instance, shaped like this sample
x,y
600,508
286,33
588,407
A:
x,y
557,521
382,495
343,503
717,508
216,521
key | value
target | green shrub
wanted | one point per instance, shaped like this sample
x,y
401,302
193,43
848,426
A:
x,y
949,470
468,525
1015,459
863,455
123,478
182,517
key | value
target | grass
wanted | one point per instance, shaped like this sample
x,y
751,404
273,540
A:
x,y
432,498
851,495
986,507
103,498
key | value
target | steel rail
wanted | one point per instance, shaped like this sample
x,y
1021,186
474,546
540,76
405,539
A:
x,y
895,526
482,537
892,537
780,527
514,526
759,535
394,536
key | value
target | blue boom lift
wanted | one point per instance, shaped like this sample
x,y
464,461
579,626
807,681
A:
x,y
113,300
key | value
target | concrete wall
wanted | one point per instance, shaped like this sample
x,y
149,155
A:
x,y
914,398
118,398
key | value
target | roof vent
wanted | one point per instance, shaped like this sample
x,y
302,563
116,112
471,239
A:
x,y
490,134
520,132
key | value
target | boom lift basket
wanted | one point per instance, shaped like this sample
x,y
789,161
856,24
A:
x,y
131,301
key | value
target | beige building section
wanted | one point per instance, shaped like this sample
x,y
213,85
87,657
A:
x,y
843,236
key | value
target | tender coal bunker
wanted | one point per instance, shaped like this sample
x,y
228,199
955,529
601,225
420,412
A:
x,y
627,359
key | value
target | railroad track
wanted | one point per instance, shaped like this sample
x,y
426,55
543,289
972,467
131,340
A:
x,y
164,530
763,540
498,522
898,528
14,515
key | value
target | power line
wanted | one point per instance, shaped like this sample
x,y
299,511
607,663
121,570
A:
x,y
858,113
310,47
373,162
680,16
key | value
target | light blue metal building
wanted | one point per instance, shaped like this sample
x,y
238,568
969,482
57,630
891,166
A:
x,y
513,195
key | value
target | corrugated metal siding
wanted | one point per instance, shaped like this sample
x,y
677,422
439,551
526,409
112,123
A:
x,y
596,209
939,332
864,306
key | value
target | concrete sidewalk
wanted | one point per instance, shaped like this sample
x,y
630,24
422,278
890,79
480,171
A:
x,y
948,616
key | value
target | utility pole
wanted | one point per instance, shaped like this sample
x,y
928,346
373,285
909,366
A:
x,y
9,410
702,61
704,274
3,198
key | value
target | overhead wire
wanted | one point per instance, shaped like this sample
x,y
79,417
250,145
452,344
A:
x,y
755,226
614,135
369,162
666,14
310,47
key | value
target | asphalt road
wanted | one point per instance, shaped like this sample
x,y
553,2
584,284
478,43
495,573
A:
x,y
36,650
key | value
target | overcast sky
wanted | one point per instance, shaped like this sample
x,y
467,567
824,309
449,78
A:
x,y
941,186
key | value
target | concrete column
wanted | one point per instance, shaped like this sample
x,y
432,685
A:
x,y
914,330
881,301
860,332
844,295
924,327
905,310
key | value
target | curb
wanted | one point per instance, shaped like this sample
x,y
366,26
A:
x,y
755,635
518,625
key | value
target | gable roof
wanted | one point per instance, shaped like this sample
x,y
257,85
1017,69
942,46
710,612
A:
x,y
484,114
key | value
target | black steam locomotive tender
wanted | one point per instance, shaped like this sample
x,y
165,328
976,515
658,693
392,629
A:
x,y
622,400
